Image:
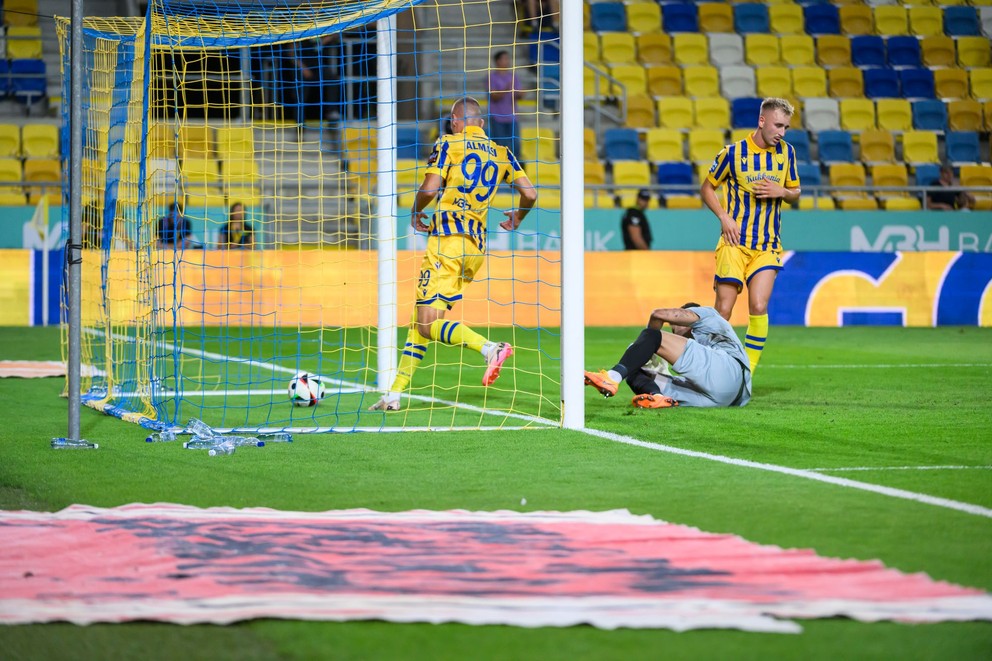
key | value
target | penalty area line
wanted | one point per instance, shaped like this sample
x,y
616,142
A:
x,y
967,508
899,468
875,366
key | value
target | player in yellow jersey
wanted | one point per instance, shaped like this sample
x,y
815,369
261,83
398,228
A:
x,y
463,173
759,173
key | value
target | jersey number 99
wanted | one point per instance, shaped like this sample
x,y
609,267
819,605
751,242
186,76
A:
x,y
476,173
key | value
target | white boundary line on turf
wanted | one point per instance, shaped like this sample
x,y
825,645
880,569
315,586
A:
x,y
874,366
967,508
899,468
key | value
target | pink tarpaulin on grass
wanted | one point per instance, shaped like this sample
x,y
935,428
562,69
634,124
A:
x,y
610,569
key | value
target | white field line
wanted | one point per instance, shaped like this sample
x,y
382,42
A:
x,y
873,366
900,468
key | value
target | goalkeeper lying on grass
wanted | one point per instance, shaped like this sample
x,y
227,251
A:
x,y
710,363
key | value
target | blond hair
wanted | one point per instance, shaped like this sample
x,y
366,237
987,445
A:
x,y
771,104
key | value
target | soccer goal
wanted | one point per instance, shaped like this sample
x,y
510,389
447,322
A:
x,y
247,173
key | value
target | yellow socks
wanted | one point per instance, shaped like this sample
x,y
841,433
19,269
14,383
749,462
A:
x,y
754,340
413,352
456,334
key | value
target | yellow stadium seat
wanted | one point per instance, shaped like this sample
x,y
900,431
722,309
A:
x,y
594,173
901,204
978,176
250,196
20,12
857,114
891,20
683,202
926,21
43,170
590,47
545,174
631,77
675,112
919,147
856,19
654,48
592,84
847,174
816,203
24,42
161,140
833,50
846,82
10,141
640,112
630,176
774,81
664,145
664,80
951,83
200,171
710,112
937,51
538,144
858,204
877,146
705,144
973,52
736,135
786,18
715,17
690,48
643,17
703,170
198,198
808,82
196,142
617,48
761,49
241,171
965,115
701,81
589,146
894,114
408,174
798,49
235,142
981,83
11,170
889,175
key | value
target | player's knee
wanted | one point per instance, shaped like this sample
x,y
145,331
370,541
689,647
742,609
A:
x,y
424,328
758,308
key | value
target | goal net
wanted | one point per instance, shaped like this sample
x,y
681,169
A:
x,y
248,170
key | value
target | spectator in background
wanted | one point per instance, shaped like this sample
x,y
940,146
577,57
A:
x,y
311,78
236,233
174,230
634,225
504,92
537,10
948,200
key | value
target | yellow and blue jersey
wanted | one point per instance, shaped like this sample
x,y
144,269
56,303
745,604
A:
x,y
472,167
740,166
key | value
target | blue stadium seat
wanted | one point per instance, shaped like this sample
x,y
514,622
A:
x,y
408,142
608,17
27,80
679,17
744,112
917,83
621,144
835,147
676,174
930,115
751,19
867,51
961,22
927,174
809,174
822,19
4,78
904,52
881,83
963,147
799,139
545,51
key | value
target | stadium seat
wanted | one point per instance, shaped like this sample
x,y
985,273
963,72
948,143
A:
x,y
701,81
962,147
774,81
890,175
675,112
10,142
617,48
24,42
607,17
705,144
857,114
961,22
540,143
903,52
821,114
761,49
987,112
751,19
965,115
926,21
891,20
938,51
981,83
881,83
833,51
799,139
919,147
664,80
621,144
867,51
809,174
640,111
594,173
835,147
664,145
903,203
917,83
710,112
856,19
809,81
43,171
847,174
629,177
11,170
927,174
408,142
716,17
951,83
589,146
726,50
744,112
20,12
654,48
238,142
408,174
545,174
736,135
976,176
241,171
800,49
846,82
690,48
28,82
822,19
590,47
677,17
877,146
973,52
630,79
199,170
196,142
930,115
161,141
786,18
643,17
676,174
736,82
40,141
894,114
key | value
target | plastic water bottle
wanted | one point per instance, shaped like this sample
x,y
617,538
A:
x,y
200,444
239,441
220,449
199,429
67,444
276,437
161,437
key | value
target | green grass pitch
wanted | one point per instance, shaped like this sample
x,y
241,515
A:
x,y
866,398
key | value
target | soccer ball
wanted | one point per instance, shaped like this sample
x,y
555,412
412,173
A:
x,y
306,389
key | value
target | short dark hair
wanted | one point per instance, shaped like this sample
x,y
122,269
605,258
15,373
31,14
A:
x,y
686,306
499,54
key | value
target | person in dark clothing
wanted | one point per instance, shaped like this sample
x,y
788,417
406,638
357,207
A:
x,y
174,230
949,199
634,224
236,233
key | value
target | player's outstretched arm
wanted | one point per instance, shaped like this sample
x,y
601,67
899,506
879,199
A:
x,y
528,197
673,316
